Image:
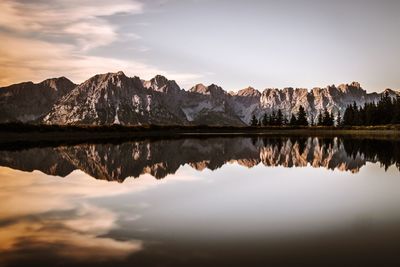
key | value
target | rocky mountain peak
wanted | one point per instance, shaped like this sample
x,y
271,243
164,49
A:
x,y
30,101
212,89
61,83
390,93
355,84
216,90
110,81
199,88
353,87
161,84
108,76
160,80
249,91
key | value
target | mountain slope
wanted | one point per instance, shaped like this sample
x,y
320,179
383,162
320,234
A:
x,y
111,98
114,98
29,101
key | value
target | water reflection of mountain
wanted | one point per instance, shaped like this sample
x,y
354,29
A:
x,y
115,162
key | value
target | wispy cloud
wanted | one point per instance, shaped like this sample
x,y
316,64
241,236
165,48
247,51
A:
x,y
42,39
26,59
54,16
92,34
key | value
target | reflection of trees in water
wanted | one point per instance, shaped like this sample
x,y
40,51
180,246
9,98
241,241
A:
x,y
159,158
307,151
386,152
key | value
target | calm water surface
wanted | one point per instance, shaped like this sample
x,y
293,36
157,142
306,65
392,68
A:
x,y
202,202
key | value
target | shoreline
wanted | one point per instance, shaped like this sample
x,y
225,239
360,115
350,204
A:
x,y
23,136
21,127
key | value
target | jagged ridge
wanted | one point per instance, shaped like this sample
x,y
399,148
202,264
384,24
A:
x,y
114,98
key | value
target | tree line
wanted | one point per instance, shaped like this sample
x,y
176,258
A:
x,y
300,119
386,111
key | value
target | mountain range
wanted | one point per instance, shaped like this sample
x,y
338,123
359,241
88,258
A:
x,y
114,98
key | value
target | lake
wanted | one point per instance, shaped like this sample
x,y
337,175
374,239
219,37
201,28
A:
x,y
215,201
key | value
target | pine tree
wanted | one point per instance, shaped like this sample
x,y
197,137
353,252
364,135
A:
x,y
302,117
279,118
285,120
331,119
312,123
326,120
320,119
265,119
385,107
396,114
293,120
371,117
254,121
348,117
273,118
356,114
339,120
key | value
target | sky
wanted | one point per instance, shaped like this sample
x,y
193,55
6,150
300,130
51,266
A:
x,y
234,44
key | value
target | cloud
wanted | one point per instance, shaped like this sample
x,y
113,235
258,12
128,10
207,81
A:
x,y
25,59
42,39
80,22
92,34
52,16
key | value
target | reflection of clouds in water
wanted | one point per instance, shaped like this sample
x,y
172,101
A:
x,y
35,193
40,211
76,231
81,218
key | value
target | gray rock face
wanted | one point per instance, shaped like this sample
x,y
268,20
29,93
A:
x,y
28,101
209,105
249,102
335,99
114,98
